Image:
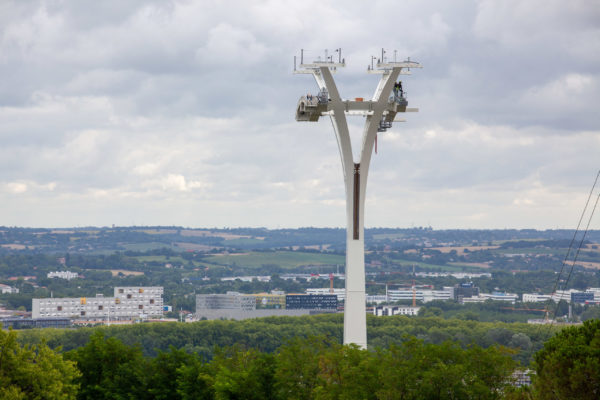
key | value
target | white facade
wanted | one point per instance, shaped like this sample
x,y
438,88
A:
x,y
596,292
229,301
128,303
5,289
496,296
377,298
382,311
562,295
535,298
424,295
340,293
68,275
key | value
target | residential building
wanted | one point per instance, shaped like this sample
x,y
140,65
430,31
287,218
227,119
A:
x,y
5,289
129,302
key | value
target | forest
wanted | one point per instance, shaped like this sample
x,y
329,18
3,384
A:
x,y
312,367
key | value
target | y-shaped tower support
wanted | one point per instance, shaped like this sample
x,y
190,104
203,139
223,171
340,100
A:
x,y
380,113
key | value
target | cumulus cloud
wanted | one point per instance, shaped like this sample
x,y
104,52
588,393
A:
x,y
181,112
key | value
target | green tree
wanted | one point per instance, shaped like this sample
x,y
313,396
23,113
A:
x,y
568,366
243,374
415,370
35,372
297,367
109,369
162,376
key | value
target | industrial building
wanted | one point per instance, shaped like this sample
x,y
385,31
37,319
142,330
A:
x,y
131,302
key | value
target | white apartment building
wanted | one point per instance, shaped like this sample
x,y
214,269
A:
x,y
68,275
535,298
130,302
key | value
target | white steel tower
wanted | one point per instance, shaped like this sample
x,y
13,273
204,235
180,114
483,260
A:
x,y
380,112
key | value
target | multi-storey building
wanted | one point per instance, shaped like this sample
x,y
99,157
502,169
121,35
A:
x,y
382,311
128,303
424,295
535,298
339,292
229,301
311,302
8,289
68,275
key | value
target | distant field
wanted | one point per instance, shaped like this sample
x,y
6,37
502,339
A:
x,y
284,259
163,259
391,236
472,265
532,250
125,272
150,246
15,246
449,268
586,264
460,250
244,241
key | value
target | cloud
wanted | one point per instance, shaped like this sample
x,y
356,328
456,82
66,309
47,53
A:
x,y
181,112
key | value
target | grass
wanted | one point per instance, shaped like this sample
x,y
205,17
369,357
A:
x,y
447,268
391,236
532,250
149,246
283,259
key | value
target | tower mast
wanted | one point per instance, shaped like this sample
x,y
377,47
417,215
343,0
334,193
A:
x,y
380,112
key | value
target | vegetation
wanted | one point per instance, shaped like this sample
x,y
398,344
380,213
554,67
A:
x,y
568,367
312,368
34,372
268,334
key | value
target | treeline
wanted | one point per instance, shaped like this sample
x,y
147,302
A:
x,y
316,367
268,334
312,368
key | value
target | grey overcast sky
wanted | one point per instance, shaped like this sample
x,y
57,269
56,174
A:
x,y
182,112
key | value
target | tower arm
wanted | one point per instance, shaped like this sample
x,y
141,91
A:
x,y
338,119
380,99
